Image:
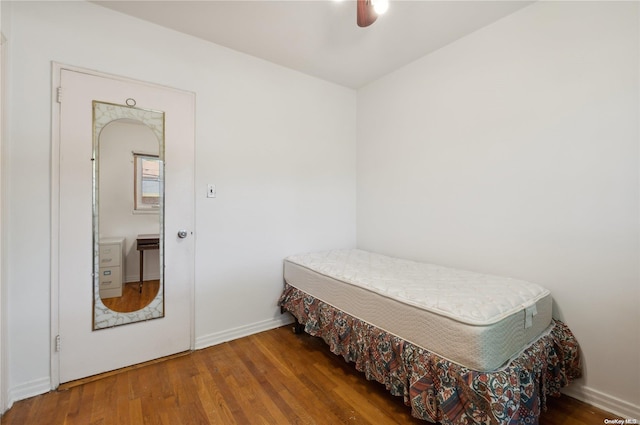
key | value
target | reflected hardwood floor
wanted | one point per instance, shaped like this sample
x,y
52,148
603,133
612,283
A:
x,y
274,377
132,299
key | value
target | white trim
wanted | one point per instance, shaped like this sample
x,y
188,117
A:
x,y
241,331
3,297
60,66
194,233
29,389
56,69
603,401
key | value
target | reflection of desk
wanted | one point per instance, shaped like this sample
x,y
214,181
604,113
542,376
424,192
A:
x,y
144,243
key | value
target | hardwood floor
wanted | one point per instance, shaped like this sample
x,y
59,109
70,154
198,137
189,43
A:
x,y
132,299
274,377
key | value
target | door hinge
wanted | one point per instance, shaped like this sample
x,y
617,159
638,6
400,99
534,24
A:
x,y
58,343
59,94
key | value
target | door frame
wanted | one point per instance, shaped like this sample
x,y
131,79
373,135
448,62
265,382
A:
x,y
56,70
3,281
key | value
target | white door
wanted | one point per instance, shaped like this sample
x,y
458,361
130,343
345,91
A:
x,y
83,351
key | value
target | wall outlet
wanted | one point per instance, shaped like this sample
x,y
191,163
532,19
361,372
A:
x,y
211,191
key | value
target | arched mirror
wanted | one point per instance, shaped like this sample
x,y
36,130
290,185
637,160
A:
x,y
128,222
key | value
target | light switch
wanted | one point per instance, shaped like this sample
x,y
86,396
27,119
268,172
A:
x,y
211,191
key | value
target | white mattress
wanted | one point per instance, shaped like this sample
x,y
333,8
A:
x,y
478,321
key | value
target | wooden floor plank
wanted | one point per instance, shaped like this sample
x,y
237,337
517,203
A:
x,y
267,393
213,401
274,377
135,411
218,365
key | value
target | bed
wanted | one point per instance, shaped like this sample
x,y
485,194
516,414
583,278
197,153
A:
x,y
460,347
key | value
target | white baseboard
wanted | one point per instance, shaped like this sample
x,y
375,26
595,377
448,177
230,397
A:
x,y
43,385
239,332
136,277
603,401
28,389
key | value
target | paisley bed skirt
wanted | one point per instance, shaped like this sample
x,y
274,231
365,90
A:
x,y
436,389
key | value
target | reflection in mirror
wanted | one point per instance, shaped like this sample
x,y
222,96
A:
x,y
146,182
128,214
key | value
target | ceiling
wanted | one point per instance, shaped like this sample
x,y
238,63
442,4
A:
x,y
321,38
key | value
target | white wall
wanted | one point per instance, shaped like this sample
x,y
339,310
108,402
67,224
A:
x,y
279,145
514,151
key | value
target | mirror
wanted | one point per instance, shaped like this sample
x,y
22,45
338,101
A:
x,y
128,219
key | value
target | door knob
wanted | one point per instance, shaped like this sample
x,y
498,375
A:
x,y
182,234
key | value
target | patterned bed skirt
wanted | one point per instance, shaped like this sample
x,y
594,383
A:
x,y
437,389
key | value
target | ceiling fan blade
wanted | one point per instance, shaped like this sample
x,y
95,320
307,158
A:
x,y
366,14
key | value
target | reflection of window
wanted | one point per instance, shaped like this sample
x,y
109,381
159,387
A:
x,y
147,182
